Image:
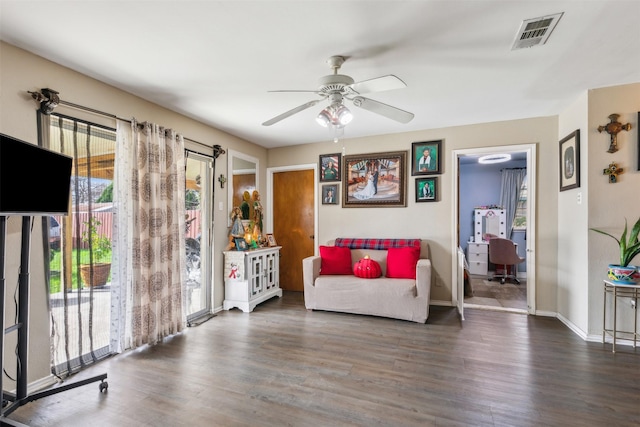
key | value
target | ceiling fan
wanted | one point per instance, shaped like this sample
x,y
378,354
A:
x,y
337,87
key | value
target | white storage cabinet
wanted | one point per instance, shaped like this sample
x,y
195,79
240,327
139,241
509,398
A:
x,y
251,277
478,258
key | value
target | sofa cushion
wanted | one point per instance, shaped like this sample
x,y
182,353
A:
x,y
335,260
367,268
401,262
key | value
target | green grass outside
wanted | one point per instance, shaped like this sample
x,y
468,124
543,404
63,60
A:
x,y
55,279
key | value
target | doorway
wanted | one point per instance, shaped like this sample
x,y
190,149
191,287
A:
x,y
292,219
525,238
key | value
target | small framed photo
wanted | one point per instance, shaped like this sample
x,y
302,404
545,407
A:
x,y
330,194
330,167
570,161
426,157
271,241
241,244
426,189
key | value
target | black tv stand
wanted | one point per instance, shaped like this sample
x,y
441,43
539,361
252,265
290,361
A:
x,y
10,402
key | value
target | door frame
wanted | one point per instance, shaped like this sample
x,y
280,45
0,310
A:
x,y
531,151
269,201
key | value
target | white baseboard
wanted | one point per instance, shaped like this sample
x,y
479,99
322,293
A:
x,y
572,326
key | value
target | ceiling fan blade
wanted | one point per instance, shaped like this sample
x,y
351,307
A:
x,y
388,111
378,84
294,91
284,115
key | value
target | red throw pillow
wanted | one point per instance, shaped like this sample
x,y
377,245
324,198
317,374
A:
x,y
401,262
335,260
367,268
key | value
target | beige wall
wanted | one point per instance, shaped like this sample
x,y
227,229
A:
x,y
572,297
610,204
20,72
434,221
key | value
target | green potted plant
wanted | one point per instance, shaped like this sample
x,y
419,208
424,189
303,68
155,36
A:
x,y
623,272
96,273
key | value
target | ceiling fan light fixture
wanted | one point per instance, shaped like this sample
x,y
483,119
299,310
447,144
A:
x,y
324,118
336,115
494,158
343,115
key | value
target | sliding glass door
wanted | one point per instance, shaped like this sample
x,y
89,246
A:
x,y
198,199
80,245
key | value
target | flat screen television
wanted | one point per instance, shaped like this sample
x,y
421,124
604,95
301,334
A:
x,y
33,180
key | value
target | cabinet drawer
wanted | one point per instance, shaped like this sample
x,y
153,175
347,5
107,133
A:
x,y
472,257
478,248
478,267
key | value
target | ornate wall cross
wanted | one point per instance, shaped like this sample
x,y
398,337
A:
x,y
613,171
612,128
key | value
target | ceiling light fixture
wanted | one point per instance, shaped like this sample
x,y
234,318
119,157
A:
x,y
335,116
494,158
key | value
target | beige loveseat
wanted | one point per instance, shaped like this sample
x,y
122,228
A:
x,y
399,298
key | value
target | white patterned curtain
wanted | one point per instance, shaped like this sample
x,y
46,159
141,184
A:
x,y
510,193
147,293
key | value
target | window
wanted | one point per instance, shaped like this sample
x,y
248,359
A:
x,y
520,220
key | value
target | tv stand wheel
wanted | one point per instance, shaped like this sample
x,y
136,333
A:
x,y
104,386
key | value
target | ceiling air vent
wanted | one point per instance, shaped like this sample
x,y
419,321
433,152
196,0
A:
x,y
534,32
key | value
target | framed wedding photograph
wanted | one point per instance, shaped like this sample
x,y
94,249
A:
x,y
426,157
375,180
330,167
271,241
570,161
330,194
241,244
426,189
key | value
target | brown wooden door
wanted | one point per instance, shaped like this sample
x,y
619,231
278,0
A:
x,y
293,221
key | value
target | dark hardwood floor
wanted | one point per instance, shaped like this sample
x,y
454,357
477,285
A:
x,y
285,366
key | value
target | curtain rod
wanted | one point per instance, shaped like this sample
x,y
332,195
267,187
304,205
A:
x,y
49,99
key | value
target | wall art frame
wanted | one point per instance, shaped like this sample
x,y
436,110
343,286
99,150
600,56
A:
x,y
330,165
570,161
375,180
427,189
241,244
638,134
426,158
330,194
271,241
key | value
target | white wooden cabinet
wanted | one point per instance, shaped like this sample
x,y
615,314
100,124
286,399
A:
x,y
478,258
251,277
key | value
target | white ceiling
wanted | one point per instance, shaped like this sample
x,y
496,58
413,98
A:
x,y
215,61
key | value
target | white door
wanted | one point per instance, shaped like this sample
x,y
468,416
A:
x,y
460,284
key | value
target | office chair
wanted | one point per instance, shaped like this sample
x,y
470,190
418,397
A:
x,y
502,252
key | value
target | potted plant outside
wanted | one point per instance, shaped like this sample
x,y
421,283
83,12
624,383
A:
x,y
624,273
96,273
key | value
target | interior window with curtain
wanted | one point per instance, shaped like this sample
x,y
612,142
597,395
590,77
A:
x,y
520,219
80,245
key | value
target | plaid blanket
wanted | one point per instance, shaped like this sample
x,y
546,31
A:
x,y
354,243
